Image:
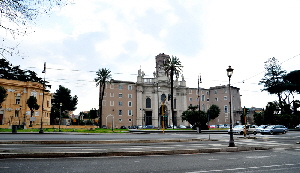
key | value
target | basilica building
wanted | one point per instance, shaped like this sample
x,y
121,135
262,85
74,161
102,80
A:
x,y
127,103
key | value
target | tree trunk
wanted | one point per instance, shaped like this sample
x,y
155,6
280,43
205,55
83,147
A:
x,y
101,94
30,122
99,110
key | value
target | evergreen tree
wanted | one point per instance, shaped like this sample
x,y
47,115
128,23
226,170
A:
x,y
32,104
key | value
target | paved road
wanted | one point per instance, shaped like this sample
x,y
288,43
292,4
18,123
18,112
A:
x,y
260,161
76,145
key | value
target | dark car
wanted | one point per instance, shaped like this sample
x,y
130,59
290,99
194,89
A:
x,y
149,127
123,127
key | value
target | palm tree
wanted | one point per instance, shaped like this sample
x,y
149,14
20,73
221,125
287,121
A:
x,y
172,66
32,104
103,76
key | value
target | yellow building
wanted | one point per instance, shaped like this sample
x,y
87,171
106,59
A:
x,y
14,109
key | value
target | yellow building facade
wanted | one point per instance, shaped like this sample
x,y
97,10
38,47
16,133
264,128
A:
x,y
14,109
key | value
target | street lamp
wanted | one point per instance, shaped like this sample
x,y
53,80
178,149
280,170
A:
x,y
44,71
231,141
60,105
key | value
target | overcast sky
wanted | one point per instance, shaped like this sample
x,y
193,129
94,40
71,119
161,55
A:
x,y
125,35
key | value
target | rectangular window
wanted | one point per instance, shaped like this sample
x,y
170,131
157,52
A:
x,y
225,97
120,112
207,93
216,99
104,94
130,96
191,91
216,92
225,109
120,103
207,99
191,99
129,87
112,86
103,102
111,94
48,104
111,103
120,87
203,107
120,95
129,112
129,120
174,103
129,104
202,97
16,113
17,100
120,120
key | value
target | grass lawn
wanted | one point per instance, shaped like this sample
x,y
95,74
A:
x,y
96,130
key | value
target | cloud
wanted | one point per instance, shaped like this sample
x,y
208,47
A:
x,y
124,36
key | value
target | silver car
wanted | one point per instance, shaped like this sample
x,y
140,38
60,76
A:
x,y
261,127
272,129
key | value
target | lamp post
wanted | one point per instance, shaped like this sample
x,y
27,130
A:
x,y
199,107
44,71
231,141
60,105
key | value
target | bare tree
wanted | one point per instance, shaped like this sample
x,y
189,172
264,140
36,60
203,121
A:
x,y
16,17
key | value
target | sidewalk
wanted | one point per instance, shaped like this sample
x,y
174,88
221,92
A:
x,y
136,147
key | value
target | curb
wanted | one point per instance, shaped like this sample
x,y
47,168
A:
x,y
105,141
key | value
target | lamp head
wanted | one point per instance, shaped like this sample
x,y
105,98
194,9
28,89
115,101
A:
x,y
229,71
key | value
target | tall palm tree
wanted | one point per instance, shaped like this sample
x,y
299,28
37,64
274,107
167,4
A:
x,y
103,76
172,66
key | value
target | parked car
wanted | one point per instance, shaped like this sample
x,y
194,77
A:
x,y
239,129
259,128
171,126
182,127
298,126
211,126
149,127
123,127
272,129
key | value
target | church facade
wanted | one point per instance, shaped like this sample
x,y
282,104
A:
x,y
128,103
